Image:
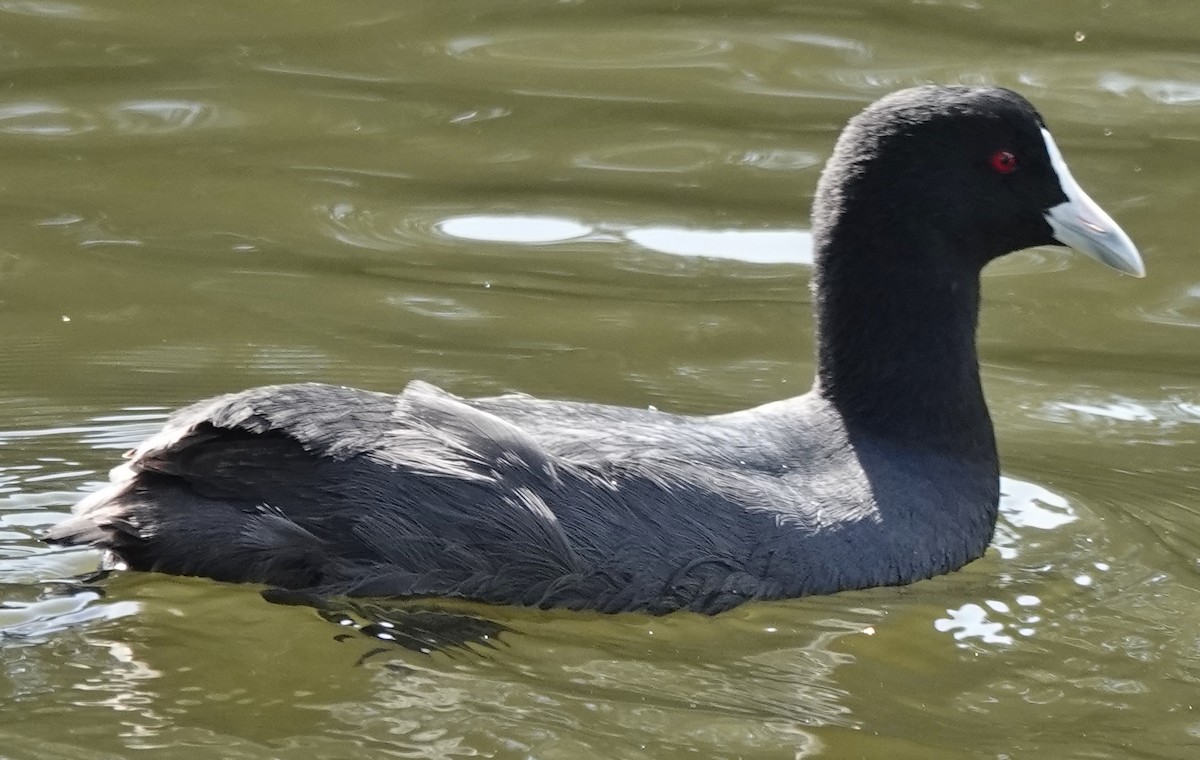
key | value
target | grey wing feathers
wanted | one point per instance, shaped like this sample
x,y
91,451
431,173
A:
x,y
287,463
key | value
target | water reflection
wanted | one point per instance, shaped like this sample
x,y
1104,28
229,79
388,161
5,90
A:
x,y
408,228
42,119
477,115
1165,91
971,622
155,117
1026,509
56,9
23,623
533,230
141,117
753,246
780,159
1028,505
1125,418
1181,310
438,307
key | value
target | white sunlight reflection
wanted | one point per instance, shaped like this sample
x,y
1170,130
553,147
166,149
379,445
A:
x,y
788,246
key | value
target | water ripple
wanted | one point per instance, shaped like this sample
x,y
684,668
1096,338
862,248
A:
x,y
39,621
138,117
111,432
375,229
1031,261
1182,310
43,119
1171,92
437,307
675,157
55,9
779,160
147,117
1120,415
610,50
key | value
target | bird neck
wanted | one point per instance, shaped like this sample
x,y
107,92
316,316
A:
x,y
896,335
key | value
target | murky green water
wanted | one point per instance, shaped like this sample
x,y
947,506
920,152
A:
x,y
603,201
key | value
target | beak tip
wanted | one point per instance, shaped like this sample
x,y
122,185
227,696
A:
x,y
1130,265
1130,262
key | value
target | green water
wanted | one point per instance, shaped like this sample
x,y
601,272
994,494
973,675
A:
x,y
601,201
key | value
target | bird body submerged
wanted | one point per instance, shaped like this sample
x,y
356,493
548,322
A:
x,y
885,473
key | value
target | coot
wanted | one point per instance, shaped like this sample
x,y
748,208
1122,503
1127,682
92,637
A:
x,y
884,473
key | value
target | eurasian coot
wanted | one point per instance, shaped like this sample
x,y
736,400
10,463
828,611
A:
x,y
884,473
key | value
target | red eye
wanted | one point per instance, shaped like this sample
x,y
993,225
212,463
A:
x,y
1003,162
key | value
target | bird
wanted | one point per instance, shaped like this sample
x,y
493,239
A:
x,y
886,472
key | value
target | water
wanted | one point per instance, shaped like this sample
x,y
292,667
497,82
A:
x,y
598,201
